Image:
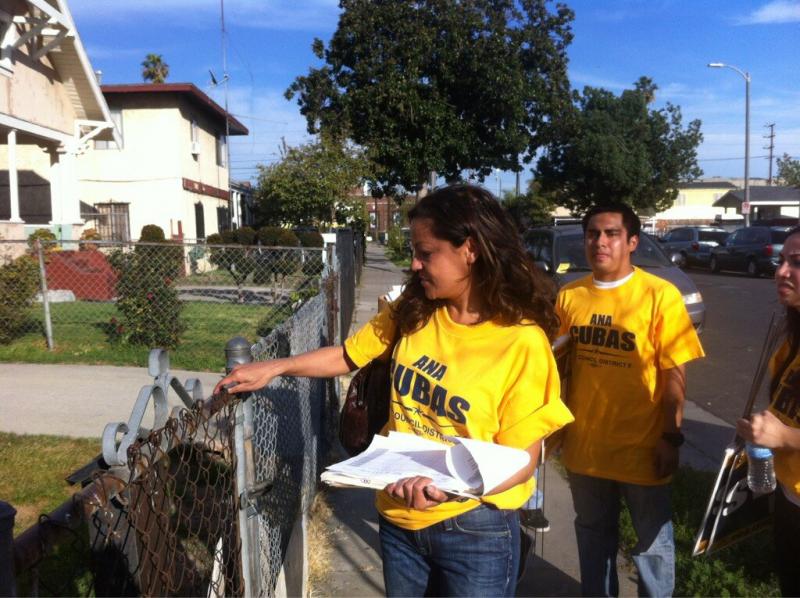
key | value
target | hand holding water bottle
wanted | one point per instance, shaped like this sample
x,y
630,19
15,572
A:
x,y
763,429
763,432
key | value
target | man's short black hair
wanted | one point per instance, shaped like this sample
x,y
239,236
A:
x,y
630,220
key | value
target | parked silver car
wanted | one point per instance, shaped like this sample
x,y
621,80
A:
x,y
559,251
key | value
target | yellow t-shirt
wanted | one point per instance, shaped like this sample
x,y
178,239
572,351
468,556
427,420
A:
x,y
622,338
489,382
785,404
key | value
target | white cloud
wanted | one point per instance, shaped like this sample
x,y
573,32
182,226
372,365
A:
x,y
581,79
306,15
777,11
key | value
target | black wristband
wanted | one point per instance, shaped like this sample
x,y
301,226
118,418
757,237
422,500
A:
x,y
674,438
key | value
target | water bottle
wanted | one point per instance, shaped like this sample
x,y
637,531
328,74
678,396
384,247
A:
x,y
760,469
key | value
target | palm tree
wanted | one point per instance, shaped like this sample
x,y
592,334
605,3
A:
x,y
154,69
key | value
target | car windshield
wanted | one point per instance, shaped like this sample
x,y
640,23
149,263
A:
x,y
570,256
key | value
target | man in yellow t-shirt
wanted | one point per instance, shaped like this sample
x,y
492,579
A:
x,y
631,338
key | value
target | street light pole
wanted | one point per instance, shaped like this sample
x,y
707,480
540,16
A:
x,y
746,76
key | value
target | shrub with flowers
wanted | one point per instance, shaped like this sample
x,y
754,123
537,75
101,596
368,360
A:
x,y
147,301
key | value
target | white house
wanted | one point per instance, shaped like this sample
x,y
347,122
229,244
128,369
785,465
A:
x,y
169,166
51,110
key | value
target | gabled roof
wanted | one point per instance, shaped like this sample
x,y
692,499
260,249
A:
x,y
773,195
51,22
188,91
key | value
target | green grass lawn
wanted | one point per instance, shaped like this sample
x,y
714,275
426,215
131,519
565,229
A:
x,y
744,569
32,472
80,337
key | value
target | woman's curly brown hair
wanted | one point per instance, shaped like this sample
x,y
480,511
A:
x,y
513,289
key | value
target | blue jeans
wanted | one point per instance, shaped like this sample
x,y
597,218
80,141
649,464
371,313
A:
x,y
597,508
473,554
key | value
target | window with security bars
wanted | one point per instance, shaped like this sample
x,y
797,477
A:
x,y
113,222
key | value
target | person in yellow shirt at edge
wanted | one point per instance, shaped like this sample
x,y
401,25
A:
x,y
473,359
778,427
631,338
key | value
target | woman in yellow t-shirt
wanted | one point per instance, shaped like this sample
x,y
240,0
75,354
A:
x,y
473,359
778,428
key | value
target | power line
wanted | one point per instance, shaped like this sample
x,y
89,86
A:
x,y
725,159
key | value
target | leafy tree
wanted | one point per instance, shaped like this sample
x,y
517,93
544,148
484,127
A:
x,y
443,85
154,69
789,171
530,209
239,262
305,186
618,148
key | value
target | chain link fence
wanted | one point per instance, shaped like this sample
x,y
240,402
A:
x,y
212,501
165,523
111,302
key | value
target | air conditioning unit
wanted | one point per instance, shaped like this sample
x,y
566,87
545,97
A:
x,y
195,148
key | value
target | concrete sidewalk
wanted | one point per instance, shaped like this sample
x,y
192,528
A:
x,y
553,571
76,400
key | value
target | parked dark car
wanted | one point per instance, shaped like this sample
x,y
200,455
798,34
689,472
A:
x,y
754,250
559,251
692,244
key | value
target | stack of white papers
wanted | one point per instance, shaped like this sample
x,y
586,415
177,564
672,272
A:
x,y
468,468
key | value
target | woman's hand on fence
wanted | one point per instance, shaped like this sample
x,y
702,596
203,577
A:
x,y
417,492
249,377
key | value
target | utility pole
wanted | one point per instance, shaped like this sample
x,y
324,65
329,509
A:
x,y
770,147
231,207
516,185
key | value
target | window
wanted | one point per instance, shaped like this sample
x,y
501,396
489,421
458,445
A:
x,y
223,219
116,118
113,223
681,201
199,221
221,150
713,236
681,234
195,132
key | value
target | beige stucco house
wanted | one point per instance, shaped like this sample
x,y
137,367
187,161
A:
x,y
694,203
51,110
169,166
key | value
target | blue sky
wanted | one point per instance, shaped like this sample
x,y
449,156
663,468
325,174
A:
x,y
616,42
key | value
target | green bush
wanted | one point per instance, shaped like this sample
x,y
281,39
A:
x,y
246,236
167,256
397,245
275,236
312,260
46,236
19,282
152,233
89,234
238,261
276,263
310,239
146,297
